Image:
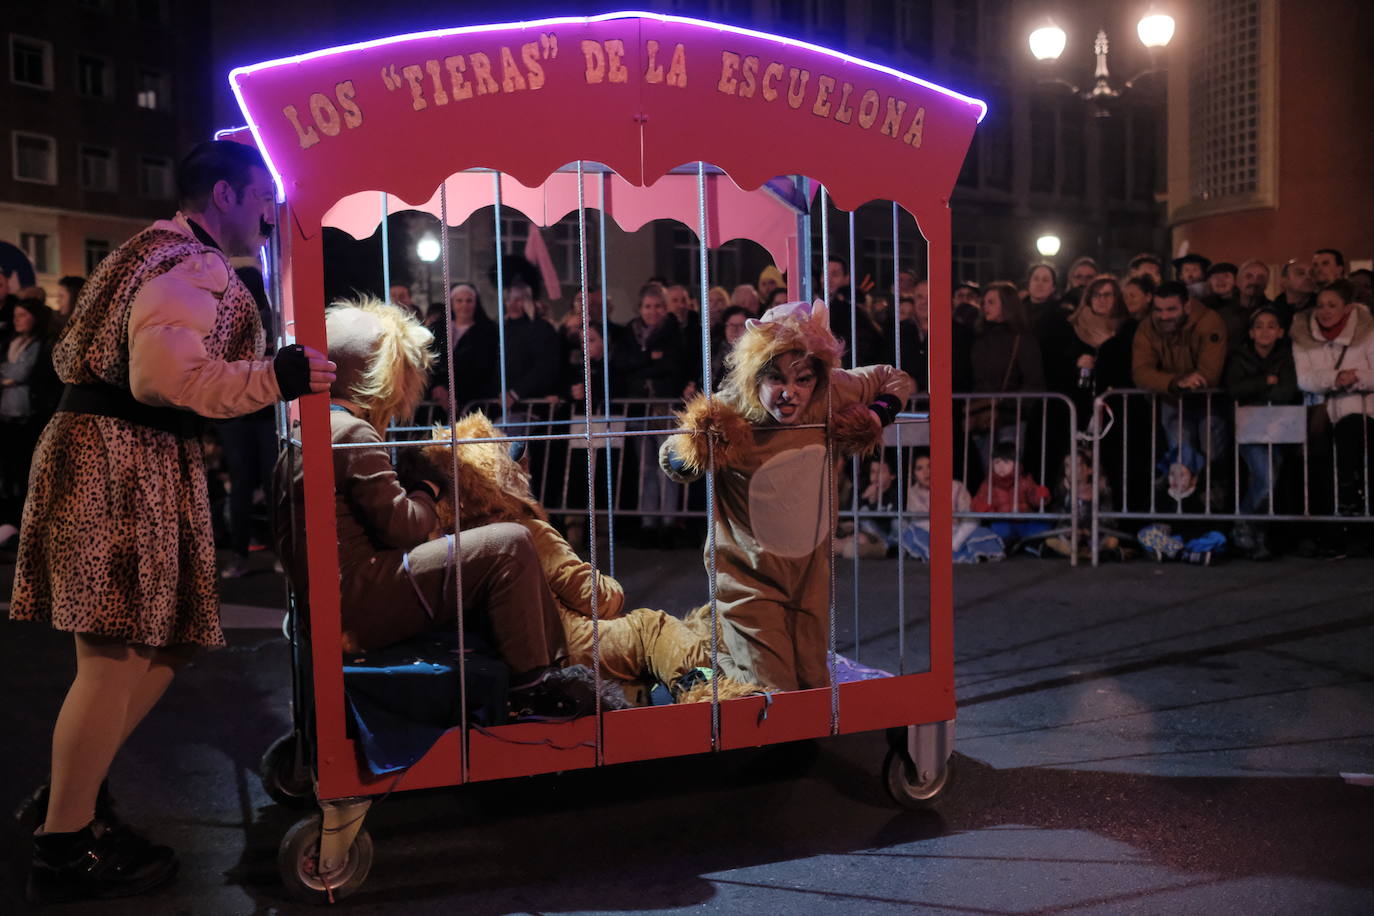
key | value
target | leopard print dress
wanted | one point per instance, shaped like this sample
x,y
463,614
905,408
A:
x,y
117,538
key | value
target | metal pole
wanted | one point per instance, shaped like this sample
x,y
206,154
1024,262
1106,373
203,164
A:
x,y
386,254
457,502
704,268
500,295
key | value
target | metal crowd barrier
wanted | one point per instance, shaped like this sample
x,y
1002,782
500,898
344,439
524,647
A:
x,y
623,450
1133,437
1217,439
624,453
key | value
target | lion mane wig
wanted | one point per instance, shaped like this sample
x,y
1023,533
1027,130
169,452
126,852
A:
x,y
383,356
493,485
792,328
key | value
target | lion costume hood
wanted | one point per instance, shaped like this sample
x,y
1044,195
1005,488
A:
x,y
382,356
794,327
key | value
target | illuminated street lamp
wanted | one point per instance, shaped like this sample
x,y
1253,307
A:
x,y
1047,245
1047,44
428,250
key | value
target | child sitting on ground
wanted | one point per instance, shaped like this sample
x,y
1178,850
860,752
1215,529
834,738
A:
x,y
1008,490
1079,539
972,542
1182,492
873,537
773,439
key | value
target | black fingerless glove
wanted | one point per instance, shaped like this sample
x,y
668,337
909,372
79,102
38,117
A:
x,y
886,406
292,368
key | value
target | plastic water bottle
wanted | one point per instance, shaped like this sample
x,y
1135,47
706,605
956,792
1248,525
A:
x,y
1085,377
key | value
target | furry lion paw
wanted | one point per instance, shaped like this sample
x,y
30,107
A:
x,y
856,430
712,427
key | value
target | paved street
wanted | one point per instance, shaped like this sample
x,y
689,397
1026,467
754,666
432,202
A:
x,y
1136,738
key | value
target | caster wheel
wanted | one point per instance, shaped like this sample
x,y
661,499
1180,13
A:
x,y
285,784
298,861
905,785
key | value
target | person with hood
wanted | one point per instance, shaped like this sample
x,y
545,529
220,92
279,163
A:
x,y
774,440
395,559
1333,354
1179,352
469,338
1010,490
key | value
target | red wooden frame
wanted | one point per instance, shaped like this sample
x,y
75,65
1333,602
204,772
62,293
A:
x,y
642,94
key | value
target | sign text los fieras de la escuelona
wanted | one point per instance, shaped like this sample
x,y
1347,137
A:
x,y
451,80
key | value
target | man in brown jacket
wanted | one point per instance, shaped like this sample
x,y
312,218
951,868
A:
x,y
1179,353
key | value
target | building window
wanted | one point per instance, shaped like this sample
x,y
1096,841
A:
x,y
1224,100
882,17
151,12
735,12
35,158
30,62
1043,131
154,90
1144,154
155,177
724,265
974,262
964,45
1073,145
96,251
94,77
968,173
915,26
38,246
98,169
996,146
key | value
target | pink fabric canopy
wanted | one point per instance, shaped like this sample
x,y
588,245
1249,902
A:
x,y
731,213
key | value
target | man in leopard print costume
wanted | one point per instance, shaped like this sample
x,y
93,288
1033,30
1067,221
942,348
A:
x,y
116,544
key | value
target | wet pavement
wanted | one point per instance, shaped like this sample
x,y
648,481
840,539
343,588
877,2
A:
x,y
1131,739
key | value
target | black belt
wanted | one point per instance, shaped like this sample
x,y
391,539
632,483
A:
x,y
112,401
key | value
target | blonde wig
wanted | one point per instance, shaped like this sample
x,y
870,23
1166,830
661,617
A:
x,y
792,328
384,356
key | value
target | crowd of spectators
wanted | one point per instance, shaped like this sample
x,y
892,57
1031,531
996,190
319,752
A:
x,y
1203,337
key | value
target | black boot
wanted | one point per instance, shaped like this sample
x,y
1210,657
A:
x,y
33,811
95,863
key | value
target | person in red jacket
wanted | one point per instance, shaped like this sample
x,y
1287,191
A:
x,y
1010,490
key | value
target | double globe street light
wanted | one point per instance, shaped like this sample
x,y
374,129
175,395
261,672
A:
x,y
1047,43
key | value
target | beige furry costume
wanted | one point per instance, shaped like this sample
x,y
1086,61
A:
x,y
637,647
395,568
775,492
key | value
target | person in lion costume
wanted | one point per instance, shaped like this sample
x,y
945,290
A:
x,y
639,647
774,439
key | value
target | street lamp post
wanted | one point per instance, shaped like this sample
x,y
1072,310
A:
x,y
428,250
1047,44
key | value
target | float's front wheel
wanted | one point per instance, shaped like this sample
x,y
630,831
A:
x,y
910,789
298,861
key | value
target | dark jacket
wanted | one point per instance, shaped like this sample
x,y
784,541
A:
x,y
1247,375
573,375
992,357
654,368
474,362
1114,358
534,358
